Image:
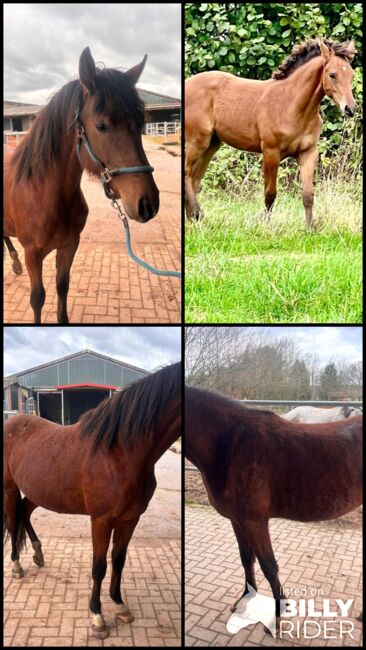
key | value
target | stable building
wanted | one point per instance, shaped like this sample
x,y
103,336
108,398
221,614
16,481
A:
x,y
19,117
64,389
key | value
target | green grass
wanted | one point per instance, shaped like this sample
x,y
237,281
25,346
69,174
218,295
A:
x,y
241,268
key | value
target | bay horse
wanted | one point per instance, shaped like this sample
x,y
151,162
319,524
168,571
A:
x,y
102,466
93,123
278,117
312,414
256,465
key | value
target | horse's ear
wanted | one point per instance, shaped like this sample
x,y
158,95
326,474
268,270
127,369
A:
x,y
135,73
350,51
87,71
325,51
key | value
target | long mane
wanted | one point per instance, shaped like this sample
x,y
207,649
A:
x,y
132,414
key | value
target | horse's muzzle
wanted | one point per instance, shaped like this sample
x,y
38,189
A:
x,y
146,211
349,110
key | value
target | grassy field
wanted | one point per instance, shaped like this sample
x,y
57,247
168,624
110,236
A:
x,y
241,268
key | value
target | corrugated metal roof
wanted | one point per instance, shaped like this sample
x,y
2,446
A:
x,y
151,99
76,355
21,111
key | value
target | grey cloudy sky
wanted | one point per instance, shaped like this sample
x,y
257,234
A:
x,y
144,347
331,343
43,43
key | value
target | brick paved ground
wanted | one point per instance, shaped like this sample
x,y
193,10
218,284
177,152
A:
x,y
321,556
49,606
106,286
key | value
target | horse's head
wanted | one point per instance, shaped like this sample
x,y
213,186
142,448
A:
x,y
338,75
112,116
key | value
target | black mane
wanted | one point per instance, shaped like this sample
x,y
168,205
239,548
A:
x,y
308,50
133,413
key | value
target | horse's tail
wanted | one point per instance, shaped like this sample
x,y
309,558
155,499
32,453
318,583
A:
x,y
20,532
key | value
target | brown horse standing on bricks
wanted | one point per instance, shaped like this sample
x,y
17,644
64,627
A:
x,y
278,117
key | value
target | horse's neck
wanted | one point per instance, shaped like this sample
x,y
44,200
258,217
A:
x,y
200,438
69,162
307,91
167,431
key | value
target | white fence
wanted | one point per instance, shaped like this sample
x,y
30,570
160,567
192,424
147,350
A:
x,y
162,128
9,414
285,404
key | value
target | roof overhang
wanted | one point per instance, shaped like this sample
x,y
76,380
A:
x,y
106,387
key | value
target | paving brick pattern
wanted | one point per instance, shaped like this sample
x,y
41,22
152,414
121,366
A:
x,y
49,606
323,556
106,286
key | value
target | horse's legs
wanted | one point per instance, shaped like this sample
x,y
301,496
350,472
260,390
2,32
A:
x,y
16,266
258,534
121,537
200,168
307,161
64,259
271,161
13,521
28,507
34,263
101,534
247,559
193,154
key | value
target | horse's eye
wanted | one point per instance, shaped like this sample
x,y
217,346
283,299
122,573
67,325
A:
x,y
332,75
101,127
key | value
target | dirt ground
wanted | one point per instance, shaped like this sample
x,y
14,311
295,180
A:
x,y
106,286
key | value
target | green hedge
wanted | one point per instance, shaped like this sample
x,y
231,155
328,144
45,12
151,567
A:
x,y
251,40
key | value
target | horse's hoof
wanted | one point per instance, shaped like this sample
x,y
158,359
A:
x,y
124,614
18,269
99,632
17,574
38,558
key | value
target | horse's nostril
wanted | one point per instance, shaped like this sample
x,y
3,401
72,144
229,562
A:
x,y
349,111
146,210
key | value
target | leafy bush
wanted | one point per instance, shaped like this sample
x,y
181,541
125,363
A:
x,y
251,40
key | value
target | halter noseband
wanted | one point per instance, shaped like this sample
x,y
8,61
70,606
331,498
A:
x,y
106,174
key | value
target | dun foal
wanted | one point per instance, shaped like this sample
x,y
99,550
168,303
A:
x,y
278,117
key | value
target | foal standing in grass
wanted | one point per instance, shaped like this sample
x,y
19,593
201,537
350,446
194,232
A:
x,y
278,117
103,467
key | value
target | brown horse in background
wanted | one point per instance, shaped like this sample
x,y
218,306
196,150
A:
x,y
103,467
278,117
256,465
44,205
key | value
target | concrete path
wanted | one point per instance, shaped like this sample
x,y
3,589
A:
x,y
106,286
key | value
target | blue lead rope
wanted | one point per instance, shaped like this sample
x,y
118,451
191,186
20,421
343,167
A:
x,y
146,266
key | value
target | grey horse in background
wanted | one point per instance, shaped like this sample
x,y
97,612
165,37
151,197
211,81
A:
x,y
313,414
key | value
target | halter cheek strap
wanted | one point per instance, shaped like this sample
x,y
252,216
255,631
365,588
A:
x,y
106,174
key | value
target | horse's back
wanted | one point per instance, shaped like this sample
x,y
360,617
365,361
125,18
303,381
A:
x,y
21,427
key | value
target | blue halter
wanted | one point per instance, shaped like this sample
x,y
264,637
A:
x,y
106,174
